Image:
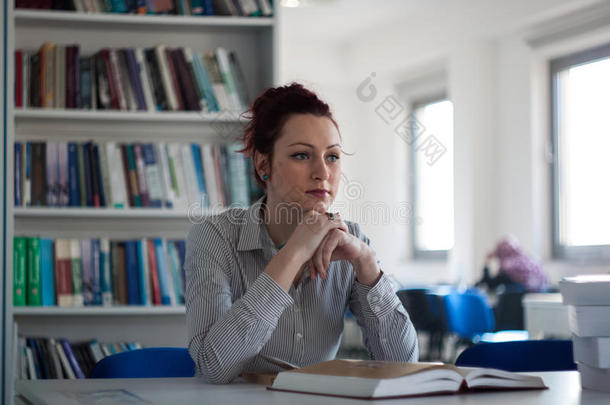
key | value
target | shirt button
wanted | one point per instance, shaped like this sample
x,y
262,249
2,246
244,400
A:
x,y
383,340
377,308
374,299
259,348
299,336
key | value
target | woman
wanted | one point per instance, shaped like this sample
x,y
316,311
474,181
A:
x,y
276,279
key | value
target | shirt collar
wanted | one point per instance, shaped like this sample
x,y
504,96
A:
x,y
254,234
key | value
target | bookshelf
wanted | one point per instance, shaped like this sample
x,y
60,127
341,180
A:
x,y
255,41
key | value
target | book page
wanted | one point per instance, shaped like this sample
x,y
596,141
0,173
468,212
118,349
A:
x,y
369,368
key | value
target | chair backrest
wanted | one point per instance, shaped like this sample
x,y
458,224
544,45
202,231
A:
x,y
468,313
146,363
525,355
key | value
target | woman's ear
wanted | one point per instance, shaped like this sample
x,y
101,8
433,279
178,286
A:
x,y
261,164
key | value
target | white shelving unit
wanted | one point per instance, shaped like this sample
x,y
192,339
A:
x,y
253,39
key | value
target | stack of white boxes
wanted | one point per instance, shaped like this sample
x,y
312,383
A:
x,y
588,300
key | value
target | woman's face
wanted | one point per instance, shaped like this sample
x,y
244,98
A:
x,y
306,165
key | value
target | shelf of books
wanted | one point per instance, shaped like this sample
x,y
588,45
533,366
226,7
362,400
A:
x,y
122,133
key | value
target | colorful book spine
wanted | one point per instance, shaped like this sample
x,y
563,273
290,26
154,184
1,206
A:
x,y
63,273
106,276
19,271
154,274
132,269
164,280
33,280
76,267
47,272
87,271
143,272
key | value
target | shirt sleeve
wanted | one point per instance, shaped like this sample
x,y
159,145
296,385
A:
x,y
224,335
386,327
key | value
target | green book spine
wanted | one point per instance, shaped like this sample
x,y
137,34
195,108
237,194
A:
x,y
81,176
34,296
173,176
19,271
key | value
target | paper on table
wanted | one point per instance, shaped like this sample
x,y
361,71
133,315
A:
x,y
106,397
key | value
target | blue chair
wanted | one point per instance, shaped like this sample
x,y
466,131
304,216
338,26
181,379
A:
x,y
525,355
469,315
154,362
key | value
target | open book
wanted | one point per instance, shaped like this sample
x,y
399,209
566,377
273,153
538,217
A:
x,y
367,379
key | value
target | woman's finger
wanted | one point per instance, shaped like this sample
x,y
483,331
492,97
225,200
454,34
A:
x,y
329,247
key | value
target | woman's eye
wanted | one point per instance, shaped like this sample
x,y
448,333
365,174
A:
x,y
333,158
300,155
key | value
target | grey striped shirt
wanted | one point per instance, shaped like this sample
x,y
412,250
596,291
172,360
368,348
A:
x,y
235,311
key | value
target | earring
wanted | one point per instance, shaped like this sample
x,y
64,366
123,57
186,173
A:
x,y
265,177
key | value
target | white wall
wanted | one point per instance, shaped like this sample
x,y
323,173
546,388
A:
x,y
496,75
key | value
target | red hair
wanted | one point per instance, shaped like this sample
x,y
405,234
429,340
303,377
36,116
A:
x,y
269,113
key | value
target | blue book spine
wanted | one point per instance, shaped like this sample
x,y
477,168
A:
x,y
118,6
162,270
150,164
88,174
141,251
18,179
196,150
74,196
134,76
47,272
28,174
78,372
131,263
208,7
96,272
95,153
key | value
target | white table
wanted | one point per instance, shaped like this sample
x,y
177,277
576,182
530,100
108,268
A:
x,y
546,316
564,389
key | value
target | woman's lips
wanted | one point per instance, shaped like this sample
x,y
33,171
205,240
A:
x,y
318,193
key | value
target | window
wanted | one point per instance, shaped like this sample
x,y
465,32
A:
x,y
580,123
432,179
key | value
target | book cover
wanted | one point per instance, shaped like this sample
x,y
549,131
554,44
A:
x,y
166,79
156,80
63,273
98,179
17,185
47,270
133,176
67,369
203,195
63,191
179,181
19,271
121,274
211,180
81,171
60,77
218,86
222,58
181,248
47,70
185,81
55,361
135,78
88,176
39,178
205,86
106,275
143,272
128,89
118,83
589,320
33,277
18,78
76,266
173,76
78,372
145,79
239,79
154,275
174,265
52,172
166,175
165,284
87,271
27,175
192,187
96,272
128,180
86,72
105,176
141,173
153,175
118,187
132,269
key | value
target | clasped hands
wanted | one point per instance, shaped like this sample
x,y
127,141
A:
x,y
323,237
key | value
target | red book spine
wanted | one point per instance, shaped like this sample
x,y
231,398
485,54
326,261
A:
x,y
69,102
63,273
172,71
154,275
114,99
18,78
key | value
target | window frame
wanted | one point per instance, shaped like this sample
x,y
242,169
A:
x,y
417,253
592,253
